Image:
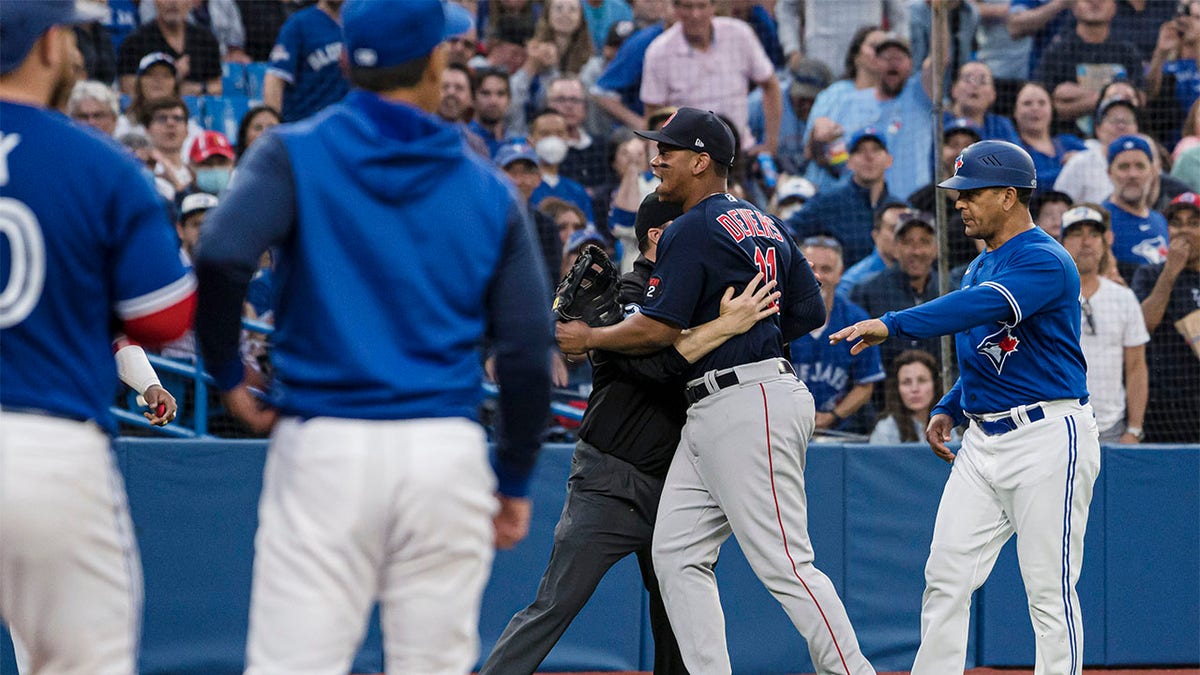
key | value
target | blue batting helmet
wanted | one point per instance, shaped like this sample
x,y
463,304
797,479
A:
x,y
992,164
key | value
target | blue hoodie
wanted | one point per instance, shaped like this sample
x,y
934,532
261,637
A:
x,y
400,250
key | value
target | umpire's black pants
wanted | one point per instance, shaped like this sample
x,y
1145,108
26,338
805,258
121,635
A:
x,y
609,513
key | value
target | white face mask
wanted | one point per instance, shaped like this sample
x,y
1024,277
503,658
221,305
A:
x,y
551,150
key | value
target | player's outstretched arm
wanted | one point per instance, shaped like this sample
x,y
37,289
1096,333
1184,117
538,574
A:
x,y
739,313
937,434
867,333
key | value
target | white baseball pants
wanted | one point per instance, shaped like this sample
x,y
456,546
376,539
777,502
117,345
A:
x,y
1035,481
70,574
353,511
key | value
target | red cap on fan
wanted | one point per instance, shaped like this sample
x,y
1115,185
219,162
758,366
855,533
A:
x,y
210,144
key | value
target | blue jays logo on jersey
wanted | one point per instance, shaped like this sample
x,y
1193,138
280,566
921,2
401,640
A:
x,y
998,346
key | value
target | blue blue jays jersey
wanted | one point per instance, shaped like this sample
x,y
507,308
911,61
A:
x,y
829,371
81,240
1138,240
723,242
305,56
1016,320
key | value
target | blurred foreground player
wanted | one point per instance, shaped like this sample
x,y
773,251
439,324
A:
x,y
377,485
83,241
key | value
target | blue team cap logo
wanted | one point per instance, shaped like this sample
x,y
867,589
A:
x,y
998,346
958,162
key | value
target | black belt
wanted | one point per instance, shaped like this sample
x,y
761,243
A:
x,y
1009,422
725,379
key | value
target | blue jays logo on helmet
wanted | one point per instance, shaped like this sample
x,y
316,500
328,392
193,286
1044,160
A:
x,y
992,164
998,346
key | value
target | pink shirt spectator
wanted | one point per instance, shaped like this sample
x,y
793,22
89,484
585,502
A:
x,y
718,79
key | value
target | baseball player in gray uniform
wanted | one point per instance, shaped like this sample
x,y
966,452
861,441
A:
x,y
739,467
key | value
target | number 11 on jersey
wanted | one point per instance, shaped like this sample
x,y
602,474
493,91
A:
x,y
766,265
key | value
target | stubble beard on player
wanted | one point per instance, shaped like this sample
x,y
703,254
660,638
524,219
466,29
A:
x,y
61,93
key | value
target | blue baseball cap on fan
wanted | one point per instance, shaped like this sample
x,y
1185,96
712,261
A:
x,y
384,33
23,22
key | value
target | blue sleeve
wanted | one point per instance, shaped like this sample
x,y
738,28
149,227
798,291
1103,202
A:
x,y
285,55
678,281
522,363
768,34
919,21
951,404
949,314
625,70
1016,292
619,217
258,211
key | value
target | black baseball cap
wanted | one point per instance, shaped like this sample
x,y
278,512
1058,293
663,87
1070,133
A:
x,y
698,131
654,213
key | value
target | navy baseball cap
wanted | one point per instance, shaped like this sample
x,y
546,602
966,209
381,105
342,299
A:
x,y
23,22
515,152
384,33
868,134
914,217
698,131
1129,142
654,213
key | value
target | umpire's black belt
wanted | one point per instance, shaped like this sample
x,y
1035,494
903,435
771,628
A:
x,y
716,380
995,424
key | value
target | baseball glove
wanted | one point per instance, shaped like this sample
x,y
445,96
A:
x,y
589,291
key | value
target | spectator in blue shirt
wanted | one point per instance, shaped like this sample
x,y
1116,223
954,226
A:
x,y
847,210
305,74
492,99
972,97
908,283
1034,115
841,383
883,233
1139,232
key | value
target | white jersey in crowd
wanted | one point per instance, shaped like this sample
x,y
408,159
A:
x,y
1118,322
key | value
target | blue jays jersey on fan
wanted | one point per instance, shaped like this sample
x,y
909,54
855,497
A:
x,y
1138,240
829,371
83,239
1017,322
306,56
723,242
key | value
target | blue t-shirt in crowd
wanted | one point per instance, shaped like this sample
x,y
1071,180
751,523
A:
x,y
829,371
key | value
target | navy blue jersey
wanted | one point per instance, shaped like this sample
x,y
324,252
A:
x,y
723,242
1017,322
81,240
306,57
829,371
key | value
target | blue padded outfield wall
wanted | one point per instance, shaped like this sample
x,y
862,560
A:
x,y
871,511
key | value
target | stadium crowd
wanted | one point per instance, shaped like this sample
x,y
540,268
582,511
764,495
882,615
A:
x,y
831,104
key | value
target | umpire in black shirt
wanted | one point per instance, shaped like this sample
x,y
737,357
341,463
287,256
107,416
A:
x,y
626,442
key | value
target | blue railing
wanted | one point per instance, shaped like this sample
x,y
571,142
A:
x,y
198,382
